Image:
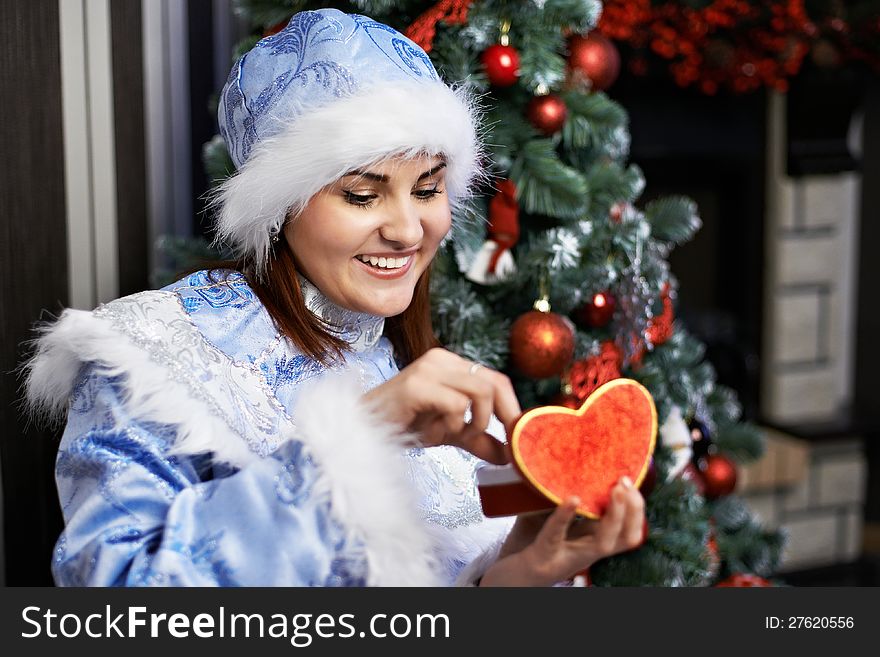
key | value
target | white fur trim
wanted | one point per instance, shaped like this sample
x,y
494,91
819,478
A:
x,y
79,337
478,567
285,171
362,457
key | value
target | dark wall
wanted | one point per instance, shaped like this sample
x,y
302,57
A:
x,y
712,149
131,163
33,245
33,270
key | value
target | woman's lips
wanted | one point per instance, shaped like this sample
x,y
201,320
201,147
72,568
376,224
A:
x,y
383,273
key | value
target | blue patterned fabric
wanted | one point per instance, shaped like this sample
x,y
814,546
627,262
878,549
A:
x,y
319,56
136,514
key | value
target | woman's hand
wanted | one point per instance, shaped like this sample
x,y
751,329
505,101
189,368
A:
x,y
431,396
542,550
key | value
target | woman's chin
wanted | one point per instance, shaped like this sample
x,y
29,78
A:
x,y
387,307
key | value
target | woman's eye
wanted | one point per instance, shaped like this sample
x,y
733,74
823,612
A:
x,y
426,194
362,200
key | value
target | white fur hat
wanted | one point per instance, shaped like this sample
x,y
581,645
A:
x,y
330,93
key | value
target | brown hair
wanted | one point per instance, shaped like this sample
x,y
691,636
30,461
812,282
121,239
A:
x,y
410,332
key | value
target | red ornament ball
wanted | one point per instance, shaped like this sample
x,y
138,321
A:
x,y
598,311
541,344
719,474
692,474
744,579
595,57
501,64
547,113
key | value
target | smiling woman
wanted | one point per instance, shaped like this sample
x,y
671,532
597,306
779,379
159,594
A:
x,y
289,418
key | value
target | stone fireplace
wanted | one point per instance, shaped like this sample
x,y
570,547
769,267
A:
x,y
770,285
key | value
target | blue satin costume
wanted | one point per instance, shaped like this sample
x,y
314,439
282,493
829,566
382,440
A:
x,y
138,515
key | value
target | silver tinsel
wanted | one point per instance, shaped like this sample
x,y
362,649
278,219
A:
x,y
634,301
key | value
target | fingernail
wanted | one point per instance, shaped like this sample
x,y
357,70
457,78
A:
x,y
575,500
626,481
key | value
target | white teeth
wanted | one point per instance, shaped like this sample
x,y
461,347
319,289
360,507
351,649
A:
x,y
385,263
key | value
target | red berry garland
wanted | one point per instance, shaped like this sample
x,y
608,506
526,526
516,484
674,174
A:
x,y
588,374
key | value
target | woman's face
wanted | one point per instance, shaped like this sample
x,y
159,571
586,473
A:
x,y
393,214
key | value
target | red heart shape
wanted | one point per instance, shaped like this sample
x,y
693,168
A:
x,y
584,452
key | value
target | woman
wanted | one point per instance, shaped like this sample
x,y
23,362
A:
x,y
251,426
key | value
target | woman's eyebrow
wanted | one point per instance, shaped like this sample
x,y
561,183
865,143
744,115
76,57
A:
x,y
431,172
378,177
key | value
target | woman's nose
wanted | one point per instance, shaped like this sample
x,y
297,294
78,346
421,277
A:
x,y
403,224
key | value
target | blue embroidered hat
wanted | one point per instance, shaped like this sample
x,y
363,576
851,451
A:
x,y
329,93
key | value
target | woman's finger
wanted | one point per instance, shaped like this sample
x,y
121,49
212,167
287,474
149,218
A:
x,y
634,520
485,446
506,404
483,385
555,528
446,406
609,526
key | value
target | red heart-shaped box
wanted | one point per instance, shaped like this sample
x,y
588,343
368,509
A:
x,y
562,452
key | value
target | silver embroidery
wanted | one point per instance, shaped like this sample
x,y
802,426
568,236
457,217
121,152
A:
x,y
361,330
446,476
234,392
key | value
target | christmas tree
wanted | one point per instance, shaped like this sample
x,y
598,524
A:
x,y
557,276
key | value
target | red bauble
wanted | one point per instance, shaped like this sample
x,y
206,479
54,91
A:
x,y
598,311
719,473
501,64
541,344
596,57
744,579
692,474
547,113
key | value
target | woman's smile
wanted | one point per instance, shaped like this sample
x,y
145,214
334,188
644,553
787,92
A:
x,y
385,267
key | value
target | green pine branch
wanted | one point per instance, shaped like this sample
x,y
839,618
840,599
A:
x,y
215,158
577,15
591,118
545,185
743,442
673,219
